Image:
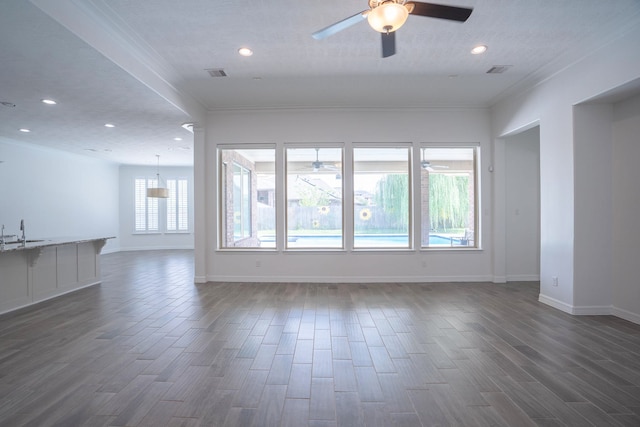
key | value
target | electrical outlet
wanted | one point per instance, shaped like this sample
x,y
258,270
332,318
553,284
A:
x,y
554,280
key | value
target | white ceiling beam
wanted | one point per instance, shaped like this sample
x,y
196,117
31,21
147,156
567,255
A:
x,y
94,22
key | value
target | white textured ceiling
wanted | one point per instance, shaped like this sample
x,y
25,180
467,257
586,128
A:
x,y
141,64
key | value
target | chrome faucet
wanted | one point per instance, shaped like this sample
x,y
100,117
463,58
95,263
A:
x,y
24,239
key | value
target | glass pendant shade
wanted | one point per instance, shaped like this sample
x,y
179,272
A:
x,y
388,17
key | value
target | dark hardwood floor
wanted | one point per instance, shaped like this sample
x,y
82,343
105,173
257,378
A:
x,y
147,347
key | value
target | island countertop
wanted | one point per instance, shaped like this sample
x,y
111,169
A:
x,y
51,241
45,268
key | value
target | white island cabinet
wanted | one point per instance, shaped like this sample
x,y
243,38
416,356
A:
x,y
43,269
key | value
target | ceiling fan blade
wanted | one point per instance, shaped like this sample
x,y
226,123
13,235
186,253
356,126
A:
x,y
433,10
388,44
340,25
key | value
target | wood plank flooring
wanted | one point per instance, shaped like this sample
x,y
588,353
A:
x,y
148,347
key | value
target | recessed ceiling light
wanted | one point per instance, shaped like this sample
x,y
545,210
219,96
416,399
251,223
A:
x,y
245,51
25,130
177,139
477,50
109,125
49,101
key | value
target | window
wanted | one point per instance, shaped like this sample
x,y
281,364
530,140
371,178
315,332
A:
x,y
247,198
381,203
146,208
448,193
314,198
351,196
153,215
178,205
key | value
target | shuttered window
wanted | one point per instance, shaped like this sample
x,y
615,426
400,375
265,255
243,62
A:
x,y
153,215
146,208
177,205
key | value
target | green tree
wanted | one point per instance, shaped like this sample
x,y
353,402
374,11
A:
x,y
448,201
392,196
310,194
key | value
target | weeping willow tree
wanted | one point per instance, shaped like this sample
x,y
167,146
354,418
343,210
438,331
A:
x,y
392,196
448,201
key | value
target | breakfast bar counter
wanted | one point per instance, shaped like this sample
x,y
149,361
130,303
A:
x,y
40,269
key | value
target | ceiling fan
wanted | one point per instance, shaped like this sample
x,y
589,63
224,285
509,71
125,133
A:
x,y
386,16
428,166
317,164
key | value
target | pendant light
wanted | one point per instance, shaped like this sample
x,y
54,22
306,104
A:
x,y
158,192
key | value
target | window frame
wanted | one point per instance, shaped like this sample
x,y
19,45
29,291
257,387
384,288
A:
x,y
161,206
415,220
410,193
475,233
222,182
341,171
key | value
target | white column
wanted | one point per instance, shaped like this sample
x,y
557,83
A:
x,y
200,204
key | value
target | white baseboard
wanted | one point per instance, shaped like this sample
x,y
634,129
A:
x,y
153,248
562,306
523,278
594,310
343,279
626,315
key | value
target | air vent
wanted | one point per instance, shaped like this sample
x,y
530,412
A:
x,y
7,104
216,72
498,69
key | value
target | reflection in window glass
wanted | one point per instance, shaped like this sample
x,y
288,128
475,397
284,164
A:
x,y
314,198
241,202
381,202
247,198
447,185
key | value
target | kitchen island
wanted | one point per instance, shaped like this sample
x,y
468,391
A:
x,y
41,269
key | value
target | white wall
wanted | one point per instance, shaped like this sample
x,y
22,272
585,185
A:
x,y
57,194
522,206
131,241
344,126
551,104
593,204
626,208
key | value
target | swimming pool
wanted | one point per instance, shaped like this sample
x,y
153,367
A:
x,y
360,241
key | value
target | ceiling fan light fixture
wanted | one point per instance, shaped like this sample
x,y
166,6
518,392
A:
x,y
478,50
388,17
